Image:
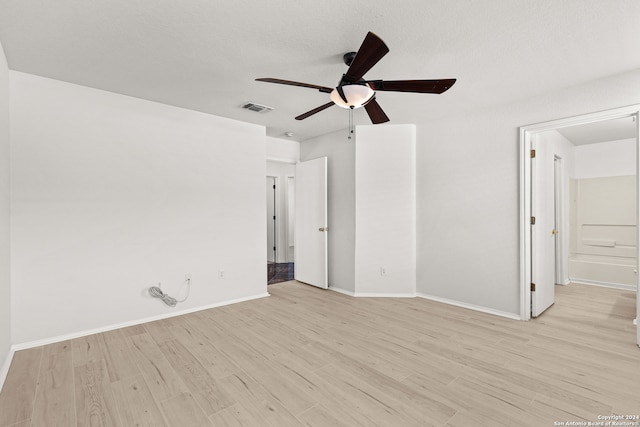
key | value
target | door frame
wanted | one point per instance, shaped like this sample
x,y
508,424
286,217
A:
x,y
526,135
290,208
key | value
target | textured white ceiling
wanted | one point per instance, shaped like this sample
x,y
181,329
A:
x,y
603,131
205,54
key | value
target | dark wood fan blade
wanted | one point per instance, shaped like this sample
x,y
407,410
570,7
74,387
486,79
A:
x,y
419,86
375,112
292,83
370,52
314,111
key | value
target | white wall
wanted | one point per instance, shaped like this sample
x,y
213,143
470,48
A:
x,y
5,257
612,158
467,191
340,153
281,171
385,210
371,196
283,150
112,194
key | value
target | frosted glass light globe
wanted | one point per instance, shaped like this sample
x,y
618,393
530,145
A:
x,y
357,96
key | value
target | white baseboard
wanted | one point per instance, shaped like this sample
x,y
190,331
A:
x,y
4,370
429,297
342,291
371,294
383,295
604,284
471,306
46,341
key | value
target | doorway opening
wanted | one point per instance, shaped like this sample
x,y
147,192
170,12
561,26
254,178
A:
x,y
608,228
271,228
280,218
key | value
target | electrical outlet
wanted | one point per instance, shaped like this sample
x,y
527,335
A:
x,y
220,274
383,271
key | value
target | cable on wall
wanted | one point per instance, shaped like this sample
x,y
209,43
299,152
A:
x,y
156,292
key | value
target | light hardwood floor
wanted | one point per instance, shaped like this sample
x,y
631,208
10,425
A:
x,y
305,356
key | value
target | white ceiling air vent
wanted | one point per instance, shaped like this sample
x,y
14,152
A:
x,y
258,108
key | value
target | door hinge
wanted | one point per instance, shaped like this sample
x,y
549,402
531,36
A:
x,y
533,154
274,186
533,287
274,248
274,217
533,220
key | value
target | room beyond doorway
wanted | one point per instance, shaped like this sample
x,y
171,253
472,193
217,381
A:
x,y
272,228
280,218
280,272
529,135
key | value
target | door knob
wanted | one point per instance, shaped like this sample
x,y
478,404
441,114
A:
x,y
323,229
554,232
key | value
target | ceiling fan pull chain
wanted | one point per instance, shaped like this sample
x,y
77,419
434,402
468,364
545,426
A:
x,y
350,122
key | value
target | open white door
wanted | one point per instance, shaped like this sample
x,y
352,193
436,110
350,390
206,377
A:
x,y
311,222
543,232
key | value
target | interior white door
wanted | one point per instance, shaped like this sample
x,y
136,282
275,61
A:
x,y
543,232
311,222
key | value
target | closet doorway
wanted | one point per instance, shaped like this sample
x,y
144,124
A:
x,y
280,191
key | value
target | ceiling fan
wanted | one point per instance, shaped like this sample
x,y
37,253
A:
x,y
354,92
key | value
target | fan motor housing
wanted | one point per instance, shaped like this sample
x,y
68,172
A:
x,y
348,57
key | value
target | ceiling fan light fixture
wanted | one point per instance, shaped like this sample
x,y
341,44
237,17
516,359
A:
x,y
357,95
355,92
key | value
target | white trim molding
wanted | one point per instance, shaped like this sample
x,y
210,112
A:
x,y
383,295
342,291
4,370
473,307
428,297
623,286
371,294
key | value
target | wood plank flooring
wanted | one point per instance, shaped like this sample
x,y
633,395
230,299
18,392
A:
x,y
308,357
